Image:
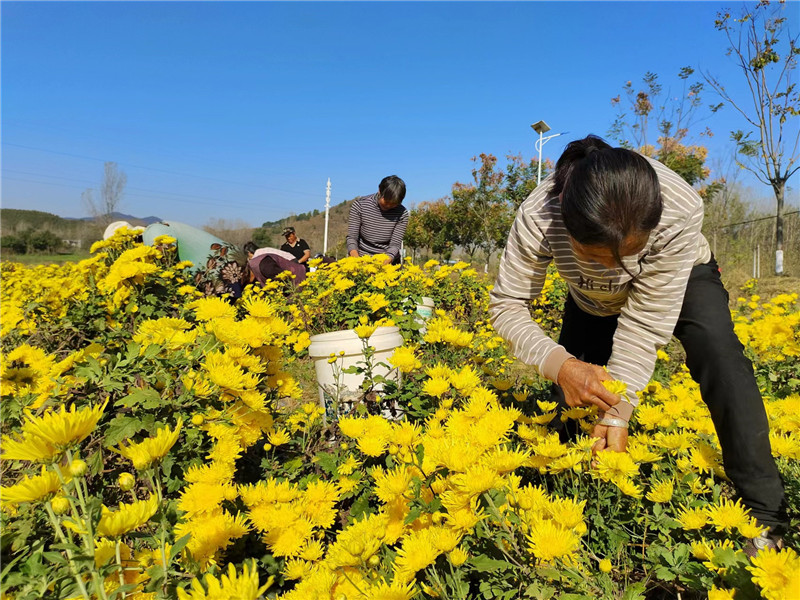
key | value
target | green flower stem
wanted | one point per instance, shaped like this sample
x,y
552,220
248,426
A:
x,y
88,536
508,530
78,488
155,481
353,583
60,533
117,545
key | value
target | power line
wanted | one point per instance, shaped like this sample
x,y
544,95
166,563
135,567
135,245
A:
x,y
794,212
190,199
130,165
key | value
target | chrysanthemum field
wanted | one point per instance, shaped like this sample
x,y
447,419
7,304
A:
x,y
159,444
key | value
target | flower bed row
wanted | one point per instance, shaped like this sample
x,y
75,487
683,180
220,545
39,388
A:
x,y
156,445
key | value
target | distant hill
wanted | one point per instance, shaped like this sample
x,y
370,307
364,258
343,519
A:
x,y
80,232
11,218
116,216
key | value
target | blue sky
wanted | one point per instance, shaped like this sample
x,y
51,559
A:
x,y
242,110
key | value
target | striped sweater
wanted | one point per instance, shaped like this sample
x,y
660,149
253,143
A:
x,y
373,231
648,306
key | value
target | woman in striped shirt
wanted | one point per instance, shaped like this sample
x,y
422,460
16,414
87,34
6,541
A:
x,y
624,232
377,223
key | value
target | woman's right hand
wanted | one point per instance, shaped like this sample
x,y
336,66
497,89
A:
x,y
354,253
582,385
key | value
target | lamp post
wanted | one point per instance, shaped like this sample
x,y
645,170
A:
x,y
541,128
327,211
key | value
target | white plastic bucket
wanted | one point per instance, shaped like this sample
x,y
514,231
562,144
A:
x,y
112,228
424,312
425,307
333,394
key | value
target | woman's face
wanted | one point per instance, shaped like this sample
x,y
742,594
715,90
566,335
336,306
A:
x,y
631,246
384,205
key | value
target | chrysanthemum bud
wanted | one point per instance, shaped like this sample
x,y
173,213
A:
x,y
197,420
60,505
77,468
126,481
374,560
605,565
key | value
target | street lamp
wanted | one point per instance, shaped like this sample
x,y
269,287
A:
x,y
541,128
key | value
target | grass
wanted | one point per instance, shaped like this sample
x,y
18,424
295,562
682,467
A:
x,y
45,259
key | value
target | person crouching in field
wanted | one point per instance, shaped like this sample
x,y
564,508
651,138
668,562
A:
x,y
377,223
624,232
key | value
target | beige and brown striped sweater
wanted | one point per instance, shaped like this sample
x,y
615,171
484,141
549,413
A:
x,y
648,307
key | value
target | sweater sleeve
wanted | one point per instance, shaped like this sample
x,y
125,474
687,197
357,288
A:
x,y
523,269
648,318
397,236
354,225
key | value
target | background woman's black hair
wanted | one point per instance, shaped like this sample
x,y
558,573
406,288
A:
x,y
250,247
392,189
607,194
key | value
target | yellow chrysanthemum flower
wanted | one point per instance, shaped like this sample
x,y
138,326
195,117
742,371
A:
x,y
777,573
612,465
31,489
716,593
405,359
244,586
152,449
693,518
727,515
212,308
127,517
615,386
661,491
45,437
548,541
390,591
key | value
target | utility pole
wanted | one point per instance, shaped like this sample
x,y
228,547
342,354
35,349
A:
x,y
327,210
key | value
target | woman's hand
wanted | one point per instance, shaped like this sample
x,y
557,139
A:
x,y
354,253
582,385
609,438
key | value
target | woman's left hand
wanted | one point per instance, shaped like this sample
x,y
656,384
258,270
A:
x,y
609,438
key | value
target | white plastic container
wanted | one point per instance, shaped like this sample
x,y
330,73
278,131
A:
x,y
335,394
426,307
424,312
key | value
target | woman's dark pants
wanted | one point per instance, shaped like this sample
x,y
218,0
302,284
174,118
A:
x,y
716,361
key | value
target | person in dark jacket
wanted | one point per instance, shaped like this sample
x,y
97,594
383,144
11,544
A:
x,y
296,247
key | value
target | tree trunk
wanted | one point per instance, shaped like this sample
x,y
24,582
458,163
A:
x,y
779,185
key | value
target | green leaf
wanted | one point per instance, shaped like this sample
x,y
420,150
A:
x,y
120,428
361,505
327,461
634,591
293,465
413,515
664,573
483,563
55,557
147,397
178,546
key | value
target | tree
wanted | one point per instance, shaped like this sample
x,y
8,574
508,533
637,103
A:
x,y
520,178
766,55
111,190
658,124
417,235
481,209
